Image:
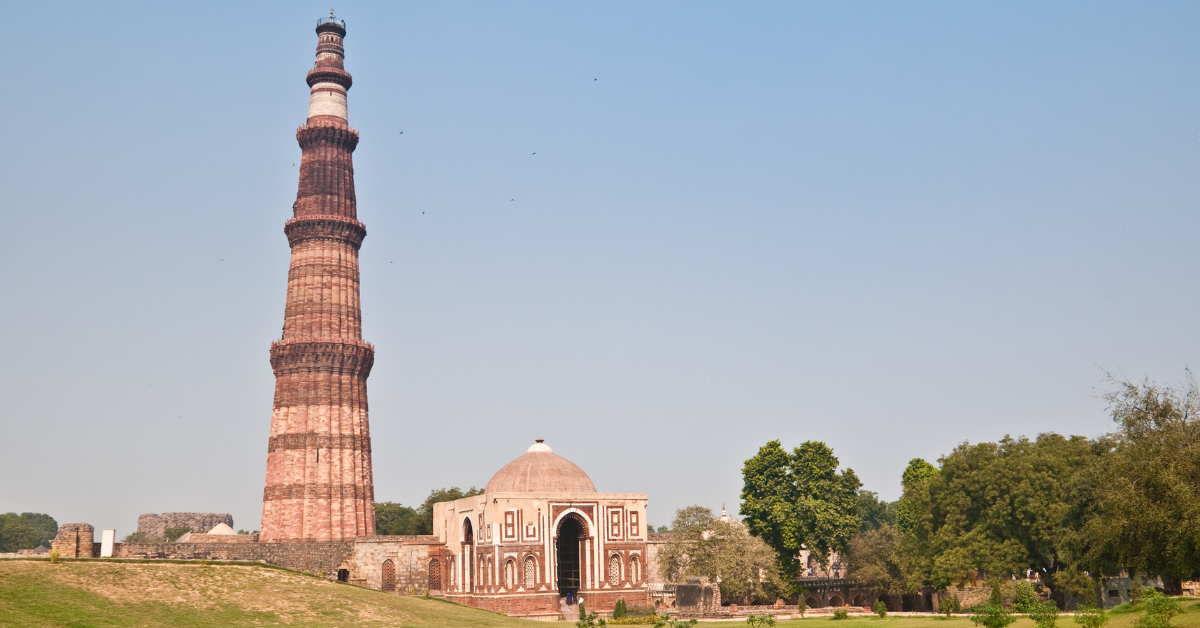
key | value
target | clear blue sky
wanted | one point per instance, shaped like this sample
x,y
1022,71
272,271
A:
x,y
892,227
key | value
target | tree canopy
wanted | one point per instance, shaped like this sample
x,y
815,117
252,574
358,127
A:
x,y
799,499
723,551
26,530
394,518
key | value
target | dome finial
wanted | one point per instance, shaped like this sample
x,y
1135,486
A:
x,y
539,445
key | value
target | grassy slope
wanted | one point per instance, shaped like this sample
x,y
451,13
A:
x,y
83,594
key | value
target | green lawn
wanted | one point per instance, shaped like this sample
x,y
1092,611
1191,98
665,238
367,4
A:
x,y
86,594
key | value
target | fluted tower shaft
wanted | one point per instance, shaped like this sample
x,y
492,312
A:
x,y
319,485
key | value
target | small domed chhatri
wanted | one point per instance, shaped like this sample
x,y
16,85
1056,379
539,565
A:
x,y
540,539
540,470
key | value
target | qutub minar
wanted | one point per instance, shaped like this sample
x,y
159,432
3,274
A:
x,y
540,538
319,485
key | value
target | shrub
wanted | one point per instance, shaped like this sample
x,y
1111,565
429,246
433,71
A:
x,y
991,616
54,556
997,597
766,619
174,532
619,611
639,610
1025,599
880,609
1090,617
841,614
1044,615
1159,610
949,604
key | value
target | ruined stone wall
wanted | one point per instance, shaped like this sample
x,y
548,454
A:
x,y
319,557
410,562
75,540
156,525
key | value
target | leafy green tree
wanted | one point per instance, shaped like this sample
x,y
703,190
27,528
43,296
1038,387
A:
x,y
394,518
1159,610
1044,615
949,604
999,507
1025,599
991,616
1147,512
26,530
703,546
871,563
174,532
875,512
997,595
800,500
424,517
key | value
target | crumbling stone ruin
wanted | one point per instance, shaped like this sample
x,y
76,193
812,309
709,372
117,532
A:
x,y
75,540
156,525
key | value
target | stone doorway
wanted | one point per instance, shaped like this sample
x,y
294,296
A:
x,y
468,553
568,547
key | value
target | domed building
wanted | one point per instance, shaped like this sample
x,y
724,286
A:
x,y
539,539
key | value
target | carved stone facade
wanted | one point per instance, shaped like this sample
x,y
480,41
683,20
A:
x,y
540,539
319,483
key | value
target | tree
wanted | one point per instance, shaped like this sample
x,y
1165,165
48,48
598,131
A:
x,y
1147,511
800,500
991,615
422,523
723,551
1044,615
870,562
394,518
875,512
1159,610
1025,599
26,530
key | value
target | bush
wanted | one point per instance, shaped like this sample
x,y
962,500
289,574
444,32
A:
x,y
638,610
991,616
54,556
880,609
997,597
949,604
1044,615
1159,610
841,614
1090,617
174,532
619,611
1025,599
766,619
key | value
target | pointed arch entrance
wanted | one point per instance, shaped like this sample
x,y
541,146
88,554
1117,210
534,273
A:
x,y
570,537
468,554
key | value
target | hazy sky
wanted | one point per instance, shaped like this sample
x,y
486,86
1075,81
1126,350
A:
x,y
892,227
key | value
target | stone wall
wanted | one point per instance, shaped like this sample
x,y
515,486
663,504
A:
x,y
75,540
410,562
156,525
319,557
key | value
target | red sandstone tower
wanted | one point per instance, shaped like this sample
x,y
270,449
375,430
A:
x,y
319,485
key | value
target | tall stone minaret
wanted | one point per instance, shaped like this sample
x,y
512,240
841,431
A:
x,y
319,485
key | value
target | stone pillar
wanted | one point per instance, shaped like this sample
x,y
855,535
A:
x,y
319,484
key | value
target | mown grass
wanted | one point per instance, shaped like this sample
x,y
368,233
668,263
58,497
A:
x,y
86,594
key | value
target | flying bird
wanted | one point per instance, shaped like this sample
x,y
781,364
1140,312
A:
x,y
402,133
595,79
535,153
